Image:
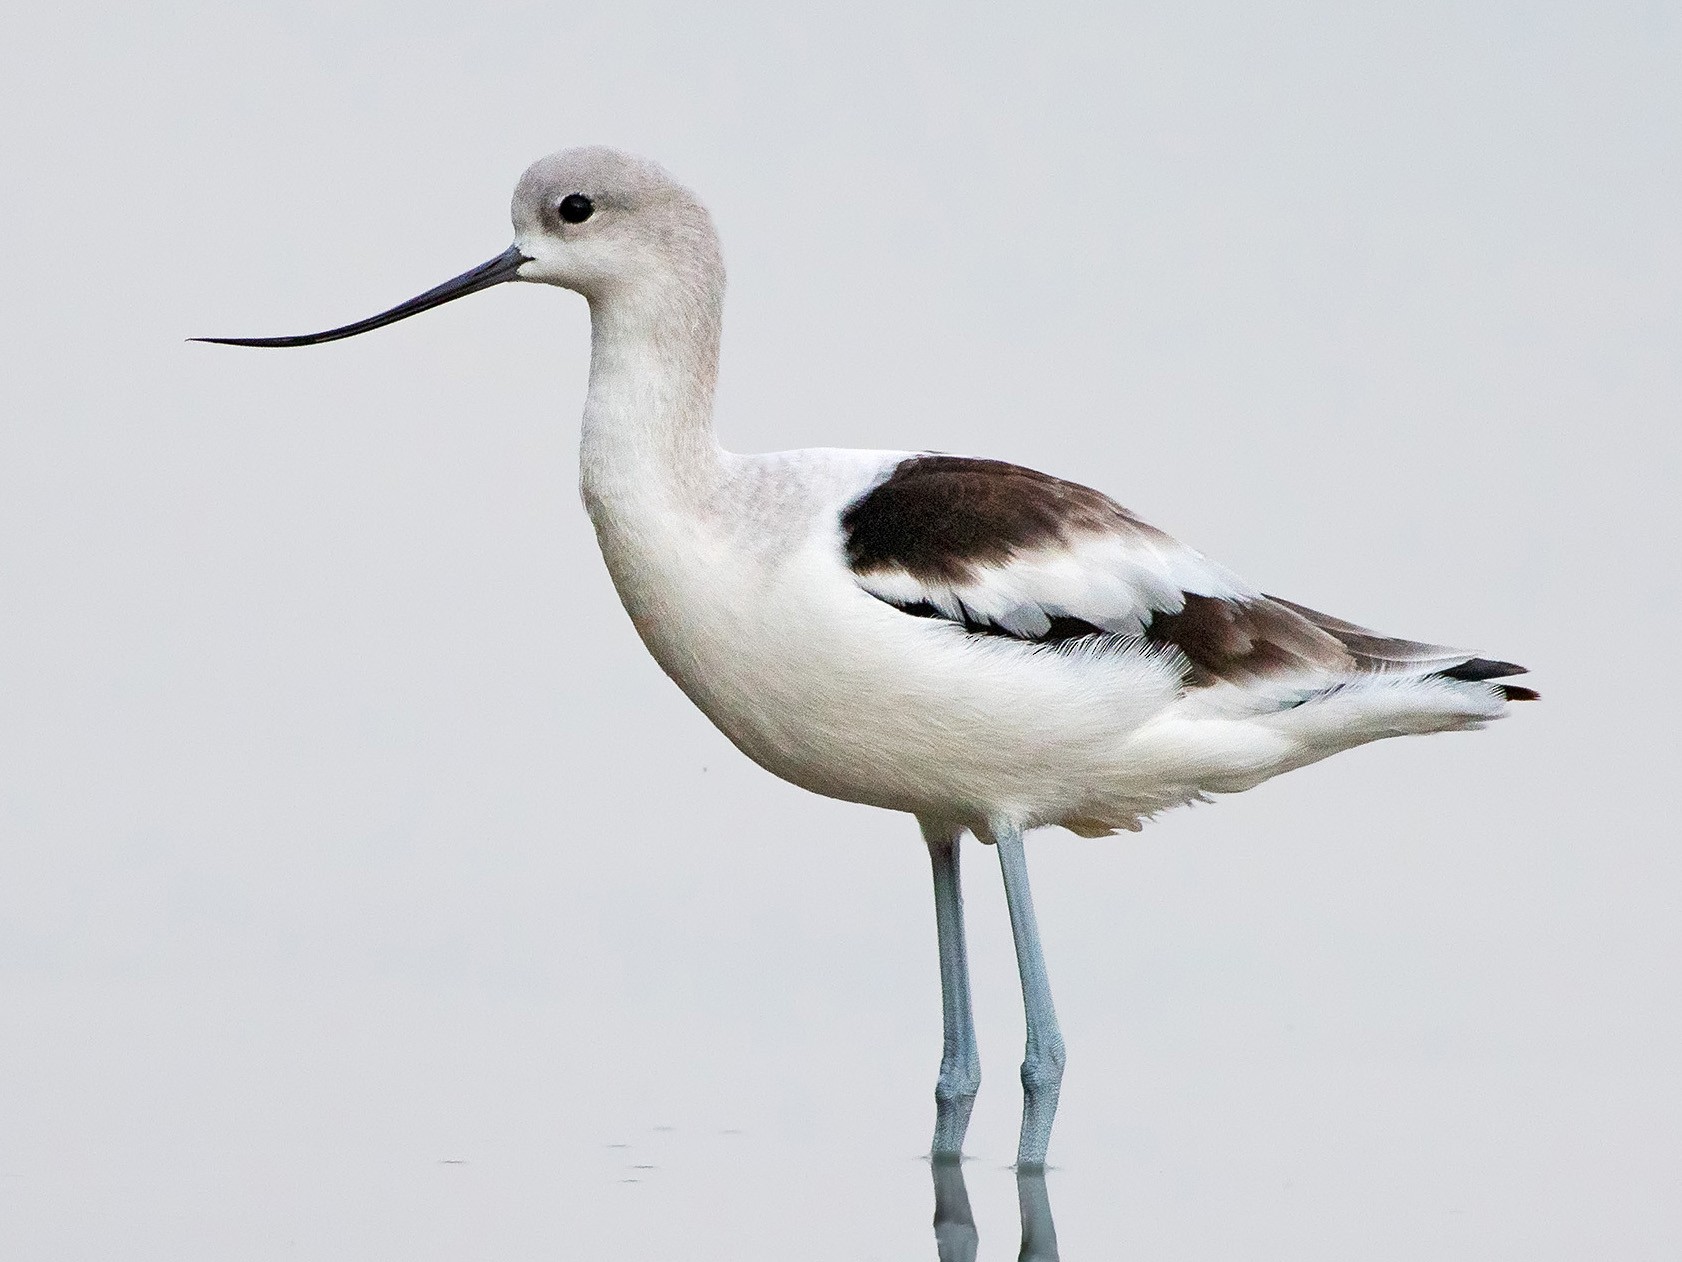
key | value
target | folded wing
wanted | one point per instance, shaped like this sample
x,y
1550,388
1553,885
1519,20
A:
x,y
1003,550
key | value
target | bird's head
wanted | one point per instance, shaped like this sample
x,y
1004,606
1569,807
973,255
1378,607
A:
x,y
593,220
596,220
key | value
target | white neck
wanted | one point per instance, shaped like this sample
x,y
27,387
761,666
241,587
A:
x,y
648,434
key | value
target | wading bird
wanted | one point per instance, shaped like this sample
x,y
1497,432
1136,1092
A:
x,y
982,646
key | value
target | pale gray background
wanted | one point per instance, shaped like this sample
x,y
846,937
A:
x,y
361,880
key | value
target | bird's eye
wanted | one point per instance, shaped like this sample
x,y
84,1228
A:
x,y
575,208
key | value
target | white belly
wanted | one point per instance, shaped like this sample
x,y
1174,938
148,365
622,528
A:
x,y
831,689
743,596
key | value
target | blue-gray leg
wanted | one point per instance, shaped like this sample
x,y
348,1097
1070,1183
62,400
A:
x,y
1042,1065
960,1064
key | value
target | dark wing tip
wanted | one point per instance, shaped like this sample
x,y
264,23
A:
x,y
1481,668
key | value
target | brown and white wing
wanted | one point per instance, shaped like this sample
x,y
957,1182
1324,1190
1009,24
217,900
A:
x,y
1003,550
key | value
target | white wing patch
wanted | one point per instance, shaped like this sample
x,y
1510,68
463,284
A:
x,y
1115,580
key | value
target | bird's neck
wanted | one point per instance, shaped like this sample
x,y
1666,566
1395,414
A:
x,y
648,434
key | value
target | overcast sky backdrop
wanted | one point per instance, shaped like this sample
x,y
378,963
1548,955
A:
x,y
363,883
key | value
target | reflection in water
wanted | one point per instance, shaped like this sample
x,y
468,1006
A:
x,y
1039,1233
954,1225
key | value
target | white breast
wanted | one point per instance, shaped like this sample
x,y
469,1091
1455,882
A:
x,y
747,604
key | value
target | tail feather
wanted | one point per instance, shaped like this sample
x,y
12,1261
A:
x,y
1379,651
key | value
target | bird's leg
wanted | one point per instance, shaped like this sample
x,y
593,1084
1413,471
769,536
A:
x,y
960,1065
1042,1065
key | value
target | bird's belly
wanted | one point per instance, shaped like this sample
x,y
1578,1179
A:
x,y
832,690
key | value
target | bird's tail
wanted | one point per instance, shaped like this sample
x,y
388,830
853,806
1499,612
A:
x,y
1392,655
1483,669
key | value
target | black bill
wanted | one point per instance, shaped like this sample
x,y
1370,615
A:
x,y
505,266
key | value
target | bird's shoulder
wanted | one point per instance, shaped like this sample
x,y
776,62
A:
x,y
942,516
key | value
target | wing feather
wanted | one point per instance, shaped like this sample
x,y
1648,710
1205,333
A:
x,y
1003,550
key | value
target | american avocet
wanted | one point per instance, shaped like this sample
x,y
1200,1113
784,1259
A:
x,y
988,648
